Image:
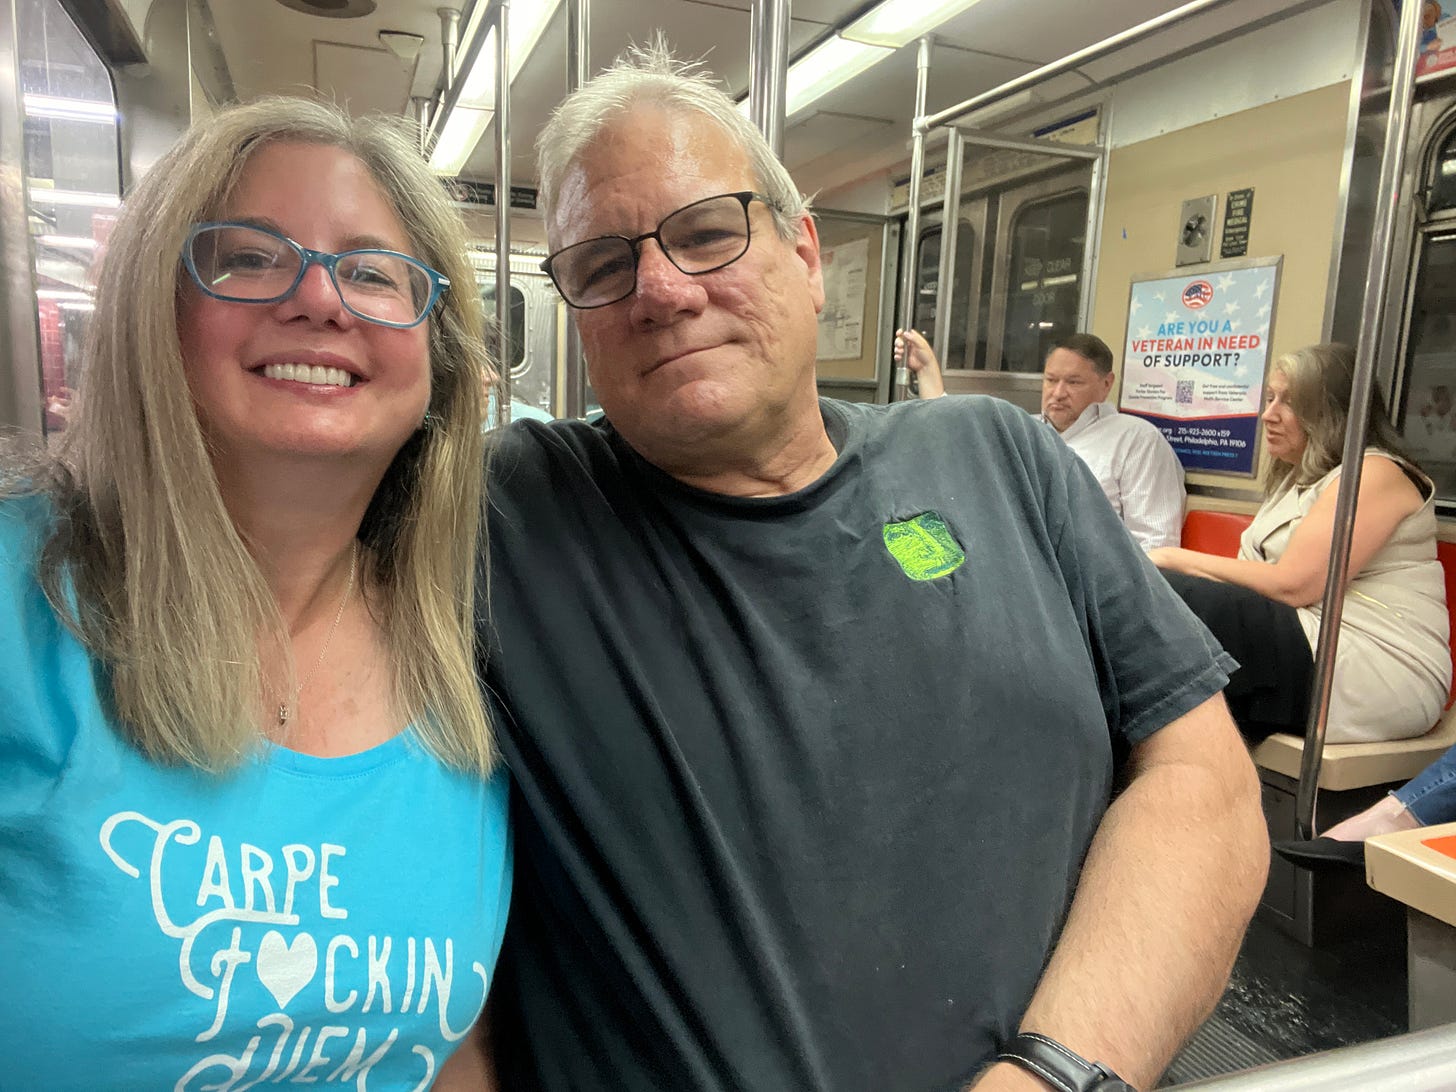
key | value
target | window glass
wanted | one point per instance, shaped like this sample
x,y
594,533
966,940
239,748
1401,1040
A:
x,y
1427,413
1047,241
927,282
517,320
73,174
1443,177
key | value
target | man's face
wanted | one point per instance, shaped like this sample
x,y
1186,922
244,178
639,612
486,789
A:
x,y
1069,385
686,359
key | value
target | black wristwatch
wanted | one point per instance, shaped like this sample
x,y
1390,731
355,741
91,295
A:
x,y
1060,1068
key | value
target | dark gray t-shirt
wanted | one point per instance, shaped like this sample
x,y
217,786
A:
x,y
804,783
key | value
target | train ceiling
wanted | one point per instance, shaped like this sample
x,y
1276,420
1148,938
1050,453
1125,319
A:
x,y
278,46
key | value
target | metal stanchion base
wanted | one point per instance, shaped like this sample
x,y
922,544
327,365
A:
x,y
1326,908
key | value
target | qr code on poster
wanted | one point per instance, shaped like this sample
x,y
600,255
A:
x,y
1183,396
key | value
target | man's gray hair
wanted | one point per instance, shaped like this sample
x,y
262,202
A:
x,y
649,75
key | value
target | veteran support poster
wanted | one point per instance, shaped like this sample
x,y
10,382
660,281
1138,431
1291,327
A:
x,y
1197,348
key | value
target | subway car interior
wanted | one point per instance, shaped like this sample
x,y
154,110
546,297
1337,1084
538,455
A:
x,y
995,173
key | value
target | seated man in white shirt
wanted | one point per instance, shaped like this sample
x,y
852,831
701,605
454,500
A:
x,y
1129,457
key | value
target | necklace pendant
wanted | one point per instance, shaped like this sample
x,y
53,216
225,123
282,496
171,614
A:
x,y
284,714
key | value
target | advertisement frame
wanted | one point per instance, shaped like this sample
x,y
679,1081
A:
x,y
1198,272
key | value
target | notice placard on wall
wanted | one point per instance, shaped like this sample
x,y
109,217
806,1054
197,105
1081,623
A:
x,y
841,321
1238,215
1197,348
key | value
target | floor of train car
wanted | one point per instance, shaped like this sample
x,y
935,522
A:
x,y
1286,1000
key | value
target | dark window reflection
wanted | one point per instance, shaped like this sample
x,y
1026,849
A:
x,y
1443,177
1047,241
927,281
517,320
1427,414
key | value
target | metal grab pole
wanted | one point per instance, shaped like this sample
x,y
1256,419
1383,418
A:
x,y
950,220
578,71
1069,62
912,224
1392,161
503,211
1417,1062
768,60
449,44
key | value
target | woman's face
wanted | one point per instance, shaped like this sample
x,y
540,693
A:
x,y
367,386
1284,436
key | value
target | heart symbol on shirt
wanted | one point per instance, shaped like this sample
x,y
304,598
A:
x,y
285,968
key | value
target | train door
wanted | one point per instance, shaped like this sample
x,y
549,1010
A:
x,y
534,319
1036,281
1021,257
967,347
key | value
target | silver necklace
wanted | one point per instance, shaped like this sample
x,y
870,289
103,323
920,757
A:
x,y
287,710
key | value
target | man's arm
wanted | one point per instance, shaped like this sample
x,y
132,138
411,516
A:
x,y
1150,482
1168,887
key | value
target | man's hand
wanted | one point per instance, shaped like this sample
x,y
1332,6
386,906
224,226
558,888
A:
x,y
913,351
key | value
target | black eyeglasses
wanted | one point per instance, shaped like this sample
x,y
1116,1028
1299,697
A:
x,y
244,263
697,238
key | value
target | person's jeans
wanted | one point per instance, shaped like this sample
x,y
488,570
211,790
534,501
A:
x,y
1431,795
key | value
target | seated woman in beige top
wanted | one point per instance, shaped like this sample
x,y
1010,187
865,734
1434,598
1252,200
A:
x,y
1393,664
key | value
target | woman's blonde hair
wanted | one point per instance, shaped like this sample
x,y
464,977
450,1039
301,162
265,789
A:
x,y
167,594
1320,378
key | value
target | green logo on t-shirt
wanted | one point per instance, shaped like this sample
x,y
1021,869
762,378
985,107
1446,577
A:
x,y
924,546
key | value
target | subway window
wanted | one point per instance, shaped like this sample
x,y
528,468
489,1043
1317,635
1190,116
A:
x,y
73,174
517,320
1043,293
1428,412
927,280
1442,194
1424,407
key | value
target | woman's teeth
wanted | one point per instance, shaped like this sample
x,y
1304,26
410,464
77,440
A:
x,y
315,374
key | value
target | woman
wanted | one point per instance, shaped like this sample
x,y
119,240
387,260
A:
x,y
250,824
1393,665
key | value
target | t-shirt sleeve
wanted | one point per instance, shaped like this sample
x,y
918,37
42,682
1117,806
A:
x,y
34,745
1154,659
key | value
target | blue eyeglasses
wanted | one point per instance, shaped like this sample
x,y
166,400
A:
x,y
244,263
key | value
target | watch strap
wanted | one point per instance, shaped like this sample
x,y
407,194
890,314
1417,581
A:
x,y
1061,1068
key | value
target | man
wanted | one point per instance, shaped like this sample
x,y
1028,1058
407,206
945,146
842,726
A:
x,y
1129,456
815,710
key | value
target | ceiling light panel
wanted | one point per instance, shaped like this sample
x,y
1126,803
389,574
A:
x,y
899,22
827,66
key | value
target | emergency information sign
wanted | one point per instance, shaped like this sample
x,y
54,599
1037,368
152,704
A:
x,y
1197,348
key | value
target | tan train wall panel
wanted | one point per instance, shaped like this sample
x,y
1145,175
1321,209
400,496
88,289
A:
x,y
1290,152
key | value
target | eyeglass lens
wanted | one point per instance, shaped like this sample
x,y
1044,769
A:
x,y
700,238
246,264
